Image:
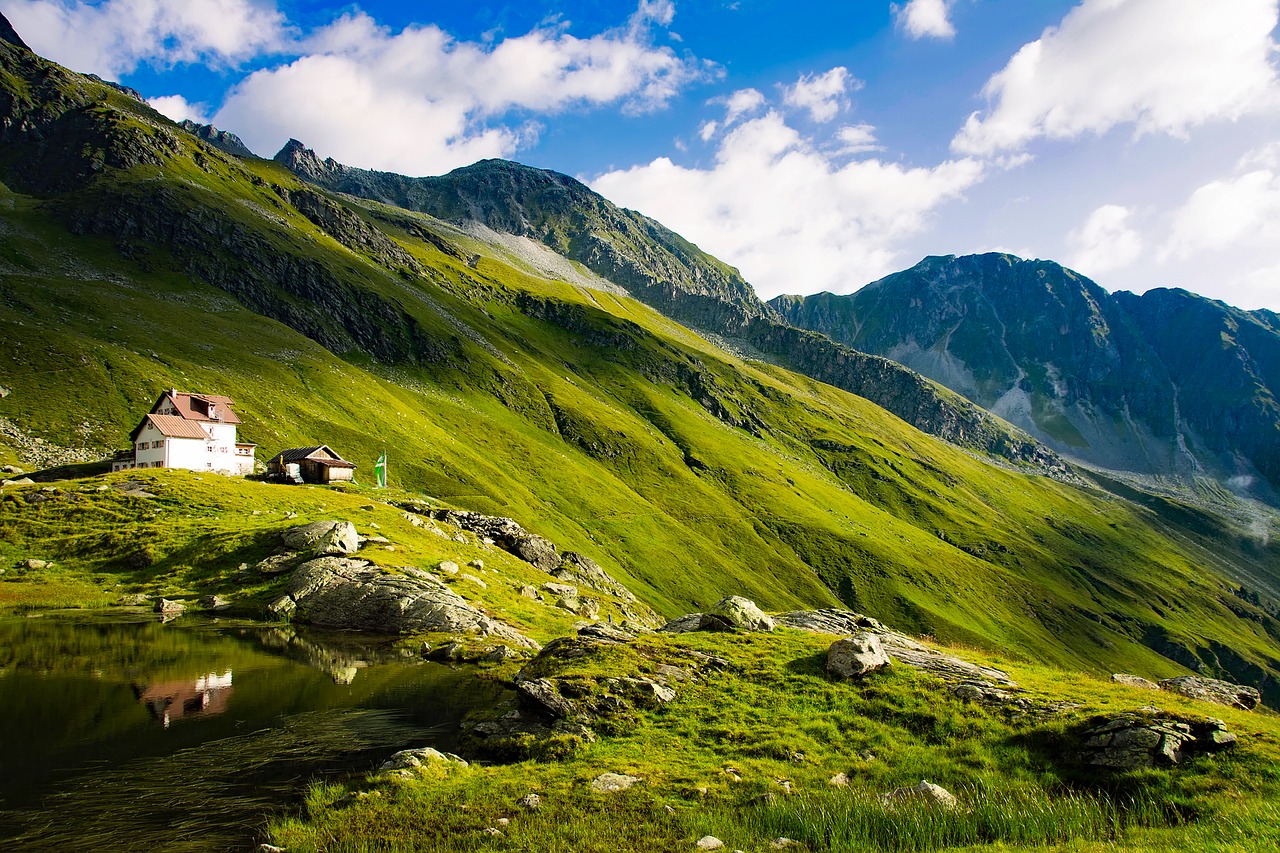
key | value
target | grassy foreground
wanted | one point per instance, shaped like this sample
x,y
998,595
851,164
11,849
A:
x,y
774,723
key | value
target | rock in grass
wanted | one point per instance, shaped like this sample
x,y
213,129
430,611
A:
x,y
709,842
305,537
1134,681
169,607
414,759
531,802
1133,741
215,602
34,564
926,792
610,783
742,613
840,780
1213,690
855,656
540,694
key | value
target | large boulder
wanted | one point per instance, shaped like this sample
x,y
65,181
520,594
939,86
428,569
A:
x,y
742,613
926,792
610,783
1213,690
855,656
1134,681
340,592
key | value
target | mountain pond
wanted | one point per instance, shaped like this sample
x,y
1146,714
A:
x,y
121,732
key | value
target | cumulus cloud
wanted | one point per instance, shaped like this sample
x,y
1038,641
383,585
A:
x,y
420,101
114,37
179,108
925,18
1163,66
1238,212
1104,242
823,95
856,139
792,217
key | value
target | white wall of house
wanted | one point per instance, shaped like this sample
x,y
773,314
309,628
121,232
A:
x,y
149,449
189,453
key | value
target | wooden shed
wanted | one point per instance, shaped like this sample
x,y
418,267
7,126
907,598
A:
x,y
320,465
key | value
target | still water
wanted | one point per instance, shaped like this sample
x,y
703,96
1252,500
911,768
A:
x,y
118,732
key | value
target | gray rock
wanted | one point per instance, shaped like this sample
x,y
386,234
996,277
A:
x,y
840,780
342,592
466,576
170,607
1133,741
541,695
531,802
414,759
609,783
927,792
135,599
341,539
277,564
607,632
477,564
1213,690
34,564
283,607
306,537
531,592
1134,681
691,622
12,469
215,602
709,842
584,571
855,656
560,590
449,567
742,613
672,673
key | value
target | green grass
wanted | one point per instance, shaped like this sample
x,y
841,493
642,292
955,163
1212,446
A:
x,y
775,716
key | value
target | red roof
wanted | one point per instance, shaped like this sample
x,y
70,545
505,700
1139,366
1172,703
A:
x,y
195,407
171,426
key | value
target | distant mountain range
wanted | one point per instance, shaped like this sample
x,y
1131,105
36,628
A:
x,y
1168,383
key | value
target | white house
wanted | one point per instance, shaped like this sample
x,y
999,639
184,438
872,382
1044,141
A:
x,y
193,431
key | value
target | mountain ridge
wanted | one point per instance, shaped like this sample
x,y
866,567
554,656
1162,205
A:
x,y
1096,376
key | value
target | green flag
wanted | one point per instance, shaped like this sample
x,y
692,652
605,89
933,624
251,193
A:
x,y
380,471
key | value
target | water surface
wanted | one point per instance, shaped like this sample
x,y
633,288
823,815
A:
x,y
119,732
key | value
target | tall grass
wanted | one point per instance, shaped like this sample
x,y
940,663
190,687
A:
x,y
1031,816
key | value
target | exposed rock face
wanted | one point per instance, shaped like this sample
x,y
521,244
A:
x,y
1213,690
581,570
220,139
1132,741
414,759
855,656
9,34
1134,681
345,593
507,534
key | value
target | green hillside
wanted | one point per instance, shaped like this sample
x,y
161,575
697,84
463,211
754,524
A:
x,y
136,257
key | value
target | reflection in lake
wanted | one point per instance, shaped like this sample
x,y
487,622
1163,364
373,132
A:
x,y
170,700
118,732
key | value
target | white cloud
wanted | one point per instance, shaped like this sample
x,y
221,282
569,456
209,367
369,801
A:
x,y
1257,289
179,109
114,37
922,18
1104,242
793,218
857,139
1226,215
741,103
823,95
420,101
1163,66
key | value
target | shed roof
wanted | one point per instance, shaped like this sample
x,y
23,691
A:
x,y
297,454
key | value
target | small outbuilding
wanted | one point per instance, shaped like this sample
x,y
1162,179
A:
x,y
320,465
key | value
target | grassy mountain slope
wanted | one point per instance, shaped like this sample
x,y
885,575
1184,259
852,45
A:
x,y
137,258
665,271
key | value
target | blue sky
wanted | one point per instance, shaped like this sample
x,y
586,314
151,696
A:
x,y
816,145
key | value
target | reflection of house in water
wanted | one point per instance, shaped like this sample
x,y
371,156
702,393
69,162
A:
x,y
170,700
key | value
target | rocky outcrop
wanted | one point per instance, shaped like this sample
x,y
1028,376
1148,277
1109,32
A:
x,y
1213,690
323,538
223,140
345,226
733,613
1134,681
338,592
10,35
1134,741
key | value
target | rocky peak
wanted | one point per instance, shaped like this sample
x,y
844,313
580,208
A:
x,y
9,34
220,139
304,162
